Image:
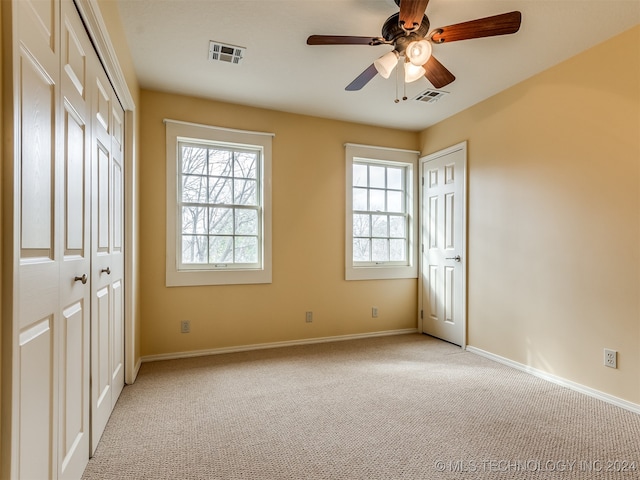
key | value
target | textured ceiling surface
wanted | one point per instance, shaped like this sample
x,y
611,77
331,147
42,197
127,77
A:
x,y
169,40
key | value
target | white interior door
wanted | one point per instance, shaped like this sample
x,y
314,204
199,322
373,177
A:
x,y
443,265
51,371
36,242
69,268
75,274
107,264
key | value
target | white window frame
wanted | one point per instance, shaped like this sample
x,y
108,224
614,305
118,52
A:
x,y
176,132
355,153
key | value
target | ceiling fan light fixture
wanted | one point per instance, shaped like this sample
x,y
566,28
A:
x,y
413,72
386,63
419,52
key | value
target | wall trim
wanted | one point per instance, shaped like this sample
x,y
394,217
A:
x,y
563,382
264,346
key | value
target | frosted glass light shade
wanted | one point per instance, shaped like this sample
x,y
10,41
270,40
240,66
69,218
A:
x,y
386,63
419,52
413,72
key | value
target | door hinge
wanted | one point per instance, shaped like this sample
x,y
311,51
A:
x,y
423,181
421,314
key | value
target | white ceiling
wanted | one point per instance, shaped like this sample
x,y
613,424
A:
x,y
169,41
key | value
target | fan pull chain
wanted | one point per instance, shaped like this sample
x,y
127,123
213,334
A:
x,y
397,100
400,77
404,87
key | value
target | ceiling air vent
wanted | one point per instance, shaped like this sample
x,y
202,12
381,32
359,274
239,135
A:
x,y
431,96
221,52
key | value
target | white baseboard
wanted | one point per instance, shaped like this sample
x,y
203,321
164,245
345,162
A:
x,y
262,346
633,407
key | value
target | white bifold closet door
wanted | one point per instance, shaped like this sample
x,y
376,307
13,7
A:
x,y
67,367
107,256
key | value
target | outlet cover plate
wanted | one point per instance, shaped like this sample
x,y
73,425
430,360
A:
x,y
610,358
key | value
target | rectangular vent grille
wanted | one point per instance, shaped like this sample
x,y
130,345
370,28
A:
x,y
431,96
222,52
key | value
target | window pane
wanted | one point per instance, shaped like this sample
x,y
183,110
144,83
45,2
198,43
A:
x,y
377,177
246,250
394,202
246,222
394,178
220,191
360,199
194,160
221,250
245,165
376,200
398,250
361,226
379,226
245,192
194,220
397,227
359,175
380,251
194,249
194,189
220,162
361,249
221,221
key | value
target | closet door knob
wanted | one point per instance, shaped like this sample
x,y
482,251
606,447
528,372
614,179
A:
x,y
82,279
106,270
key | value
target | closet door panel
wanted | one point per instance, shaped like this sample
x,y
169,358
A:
x,y
37,159
107,333
75,266
36,391
37,187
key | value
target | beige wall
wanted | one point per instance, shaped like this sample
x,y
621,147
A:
x,y
308,238
554,217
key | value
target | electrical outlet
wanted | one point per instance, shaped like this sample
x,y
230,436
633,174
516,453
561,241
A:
x,y
610,358
374,312
309,317
185,326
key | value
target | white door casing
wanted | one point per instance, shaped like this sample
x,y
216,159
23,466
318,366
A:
x,y
443,239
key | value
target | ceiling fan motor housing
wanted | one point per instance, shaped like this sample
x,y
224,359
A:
x,y
392,32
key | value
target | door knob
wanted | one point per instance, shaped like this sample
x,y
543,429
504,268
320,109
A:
x,y
106,270
82,279
456,258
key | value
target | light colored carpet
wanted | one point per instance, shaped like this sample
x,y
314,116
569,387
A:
x,y
402,407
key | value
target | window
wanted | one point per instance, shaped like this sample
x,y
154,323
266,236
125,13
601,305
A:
x,y
218,205
380,240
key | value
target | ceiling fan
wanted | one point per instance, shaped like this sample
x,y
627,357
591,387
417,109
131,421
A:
x,y
408,32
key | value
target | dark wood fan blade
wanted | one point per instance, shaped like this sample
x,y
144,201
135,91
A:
x,y
411,13
362,79
341,40
502,24
437,73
